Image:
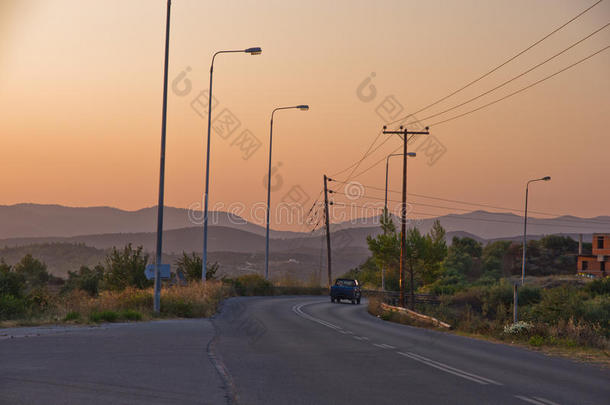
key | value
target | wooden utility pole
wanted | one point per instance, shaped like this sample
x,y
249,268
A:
x,y
403,213
326,218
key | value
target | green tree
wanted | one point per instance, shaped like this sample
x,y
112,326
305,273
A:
x,y
385,249
85,279
190,266
33,271
11,283
467,245
435,251
493,260
415,252
125,268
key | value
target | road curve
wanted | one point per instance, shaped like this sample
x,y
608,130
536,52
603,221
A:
x,y
305,350
281,350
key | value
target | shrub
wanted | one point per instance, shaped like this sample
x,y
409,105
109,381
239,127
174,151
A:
x,y
130,315
11,307
191,267
103,316
251,284
536,340
11,282
599,286
39,300
85,279
560,303
596,311
72,316
125,268
529,295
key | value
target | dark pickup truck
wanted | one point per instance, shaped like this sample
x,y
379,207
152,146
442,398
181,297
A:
x,y
345,289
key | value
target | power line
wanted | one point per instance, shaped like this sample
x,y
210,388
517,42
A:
x,y
357,164
513,78
500,65
582,220
366,154
522,89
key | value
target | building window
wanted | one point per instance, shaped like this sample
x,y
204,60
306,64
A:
x,y
602,266
585,265
600,242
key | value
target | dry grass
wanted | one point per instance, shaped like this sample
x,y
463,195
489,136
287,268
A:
x,y
191,301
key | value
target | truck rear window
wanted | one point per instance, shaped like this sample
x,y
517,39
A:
x,y
346,283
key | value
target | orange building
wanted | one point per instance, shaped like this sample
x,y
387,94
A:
x,y
595,263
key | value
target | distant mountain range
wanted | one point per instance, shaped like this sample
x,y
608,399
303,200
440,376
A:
x,y
237,244
42,220
38,220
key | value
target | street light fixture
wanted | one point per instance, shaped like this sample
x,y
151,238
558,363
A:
x,y
204,258
387,161
545,178
302,107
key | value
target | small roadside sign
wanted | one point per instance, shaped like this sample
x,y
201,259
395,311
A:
x,y
164,271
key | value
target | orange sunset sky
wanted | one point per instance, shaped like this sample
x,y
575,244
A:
x,y
81,94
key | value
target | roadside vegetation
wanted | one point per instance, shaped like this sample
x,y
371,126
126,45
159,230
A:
x,y
118,291
474,286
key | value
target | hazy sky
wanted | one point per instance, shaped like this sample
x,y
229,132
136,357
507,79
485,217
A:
x,y
81,93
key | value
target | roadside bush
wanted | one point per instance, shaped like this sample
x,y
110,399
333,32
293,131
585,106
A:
x,y
473,297
11,307
103,316
529,295
85,279
596,311
191,265
130,315
125,268
499,297
39,300
560,303
536,340
72,316
600,286
250,284
177,306
11,283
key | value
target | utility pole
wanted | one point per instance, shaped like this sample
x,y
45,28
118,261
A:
x,y
326,217
159,252
403,212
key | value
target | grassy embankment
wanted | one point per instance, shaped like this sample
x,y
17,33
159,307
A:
x,y
571,320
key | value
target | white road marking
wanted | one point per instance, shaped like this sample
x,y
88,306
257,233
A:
x,y
297,309
546,401
537,401
432,363
383,346
448,369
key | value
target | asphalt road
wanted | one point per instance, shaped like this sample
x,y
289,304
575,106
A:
x,y
284,350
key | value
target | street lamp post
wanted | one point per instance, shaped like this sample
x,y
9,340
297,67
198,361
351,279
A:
x,y
545,178
159,246
385,205
251,51
302,107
